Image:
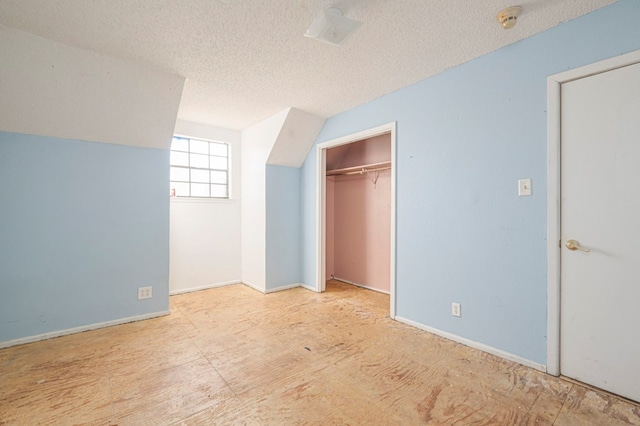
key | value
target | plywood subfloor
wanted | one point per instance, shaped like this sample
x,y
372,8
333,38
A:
x,y
231,355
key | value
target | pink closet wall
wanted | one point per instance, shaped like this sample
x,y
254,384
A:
x,y
330,228
359,215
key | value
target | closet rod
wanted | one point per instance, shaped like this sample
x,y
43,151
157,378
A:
x,y
358,170
365,170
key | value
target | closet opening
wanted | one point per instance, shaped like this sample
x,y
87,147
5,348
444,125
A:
x,y
356,211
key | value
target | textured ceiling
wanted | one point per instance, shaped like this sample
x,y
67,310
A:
x,y
246,60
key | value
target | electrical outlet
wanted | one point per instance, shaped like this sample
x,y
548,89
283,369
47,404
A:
x,y
455,310
145,292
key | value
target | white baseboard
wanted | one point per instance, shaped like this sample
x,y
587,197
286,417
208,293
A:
x,y
281,288
476,345
308,287
59,333
253,286
204,287
360,285
248,284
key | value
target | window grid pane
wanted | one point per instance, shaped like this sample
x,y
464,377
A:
x,y
218,176
219,149
219,191
199,147
179,159
218,163
180,144
199,168
180,174
181,188
201,176
199,190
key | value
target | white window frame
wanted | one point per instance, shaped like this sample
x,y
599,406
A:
x,y
208,198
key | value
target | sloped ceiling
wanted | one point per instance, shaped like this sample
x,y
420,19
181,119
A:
x,y
297,135
246,60
52,89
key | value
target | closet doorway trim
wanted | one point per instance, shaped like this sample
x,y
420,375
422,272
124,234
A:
x,y
321,200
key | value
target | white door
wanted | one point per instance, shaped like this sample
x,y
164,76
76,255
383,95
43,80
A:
x,y
600,209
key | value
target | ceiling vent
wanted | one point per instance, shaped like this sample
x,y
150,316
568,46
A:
x,y
508,18
332,27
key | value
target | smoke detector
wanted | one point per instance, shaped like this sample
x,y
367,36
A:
x,y
508,18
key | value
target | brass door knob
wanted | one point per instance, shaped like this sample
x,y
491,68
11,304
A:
x,y
574,245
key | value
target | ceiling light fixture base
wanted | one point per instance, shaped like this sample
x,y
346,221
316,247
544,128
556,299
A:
x,y
332,27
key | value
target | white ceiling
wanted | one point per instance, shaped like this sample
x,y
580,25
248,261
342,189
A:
x,y
246,60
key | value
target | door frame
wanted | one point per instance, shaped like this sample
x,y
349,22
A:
x,y
321,199
554,84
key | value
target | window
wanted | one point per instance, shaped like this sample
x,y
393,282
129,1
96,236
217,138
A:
x,y
199,168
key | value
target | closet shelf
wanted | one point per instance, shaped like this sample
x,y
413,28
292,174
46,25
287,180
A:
x,y
374,167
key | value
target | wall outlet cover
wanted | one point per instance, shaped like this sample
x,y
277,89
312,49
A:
x,y
145,293
455,309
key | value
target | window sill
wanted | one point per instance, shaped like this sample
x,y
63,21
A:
x,y
201,200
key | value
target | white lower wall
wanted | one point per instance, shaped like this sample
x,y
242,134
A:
x,y
205,244
205,234
257,142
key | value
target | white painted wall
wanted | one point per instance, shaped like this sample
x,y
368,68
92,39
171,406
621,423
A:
x,y
51,89
205,234
295,139
257,142
281,140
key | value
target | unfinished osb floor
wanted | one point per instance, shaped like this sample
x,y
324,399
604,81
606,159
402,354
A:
x,y
234,356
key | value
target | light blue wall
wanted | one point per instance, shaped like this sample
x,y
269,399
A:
x,y
283,226
82,226
464,138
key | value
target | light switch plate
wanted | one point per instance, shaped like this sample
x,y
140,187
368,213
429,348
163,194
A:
x,y
524,187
